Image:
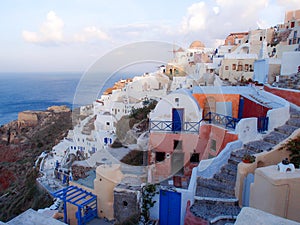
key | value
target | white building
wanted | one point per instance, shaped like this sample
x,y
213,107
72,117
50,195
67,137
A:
x,y
290,63
181,102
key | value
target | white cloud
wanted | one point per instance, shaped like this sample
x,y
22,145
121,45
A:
x,y
215,19
51,31
91,33
289,4
195,19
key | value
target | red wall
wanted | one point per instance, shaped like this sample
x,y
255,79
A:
x,y
198,143
289,95
253,109
209,133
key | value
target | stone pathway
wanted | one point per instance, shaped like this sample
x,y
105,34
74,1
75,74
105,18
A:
x,y
215,200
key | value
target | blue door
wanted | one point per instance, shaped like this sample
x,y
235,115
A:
x,y
169,208
177,119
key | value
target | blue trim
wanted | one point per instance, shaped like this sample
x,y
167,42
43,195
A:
x,y
211,117
87,202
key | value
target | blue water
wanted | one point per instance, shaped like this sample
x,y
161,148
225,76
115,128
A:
x,y
34,91
38,91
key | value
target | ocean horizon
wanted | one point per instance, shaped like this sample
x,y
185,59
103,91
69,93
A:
x,y
38,91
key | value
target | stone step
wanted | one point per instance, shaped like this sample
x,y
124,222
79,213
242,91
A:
x,y
216,185
294,122
294,113
240,153
229,169
286,129
234,160
222,201
259,146
204,192
225,178
275,137
214,211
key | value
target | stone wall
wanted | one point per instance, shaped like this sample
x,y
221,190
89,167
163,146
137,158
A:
x,y
126,202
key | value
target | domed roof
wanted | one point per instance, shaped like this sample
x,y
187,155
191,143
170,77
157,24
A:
x,y
197,44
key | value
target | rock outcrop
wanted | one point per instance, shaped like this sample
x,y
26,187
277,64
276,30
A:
x,y
21,142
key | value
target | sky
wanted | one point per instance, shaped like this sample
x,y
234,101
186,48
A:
x,y
70,35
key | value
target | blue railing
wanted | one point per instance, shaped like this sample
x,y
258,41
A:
x,y
227,121
159,125
211,117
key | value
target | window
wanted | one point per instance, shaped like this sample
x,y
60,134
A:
x,y
226,67
290,41
195,158
233,66
250,67
240,67
213,145
176,100
260,38
177,145
295,34
246,67
298,42
292,24
160,156
107,123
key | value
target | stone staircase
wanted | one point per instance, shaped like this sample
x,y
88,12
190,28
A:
x,y
215,199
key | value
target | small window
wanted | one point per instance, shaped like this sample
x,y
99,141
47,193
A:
x,y
213,145
233,66
226,67
292,24
160,156
260,38
195,158
107,123
177,145
176,100
246,67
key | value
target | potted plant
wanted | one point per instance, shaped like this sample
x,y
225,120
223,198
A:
x,y
247,158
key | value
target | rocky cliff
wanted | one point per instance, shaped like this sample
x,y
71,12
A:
x,y
21,142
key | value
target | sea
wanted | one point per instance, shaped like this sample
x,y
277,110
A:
x,y
38,91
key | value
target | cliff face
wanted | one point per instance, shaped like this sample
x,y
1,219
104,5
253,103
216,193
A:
x,y
21,142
